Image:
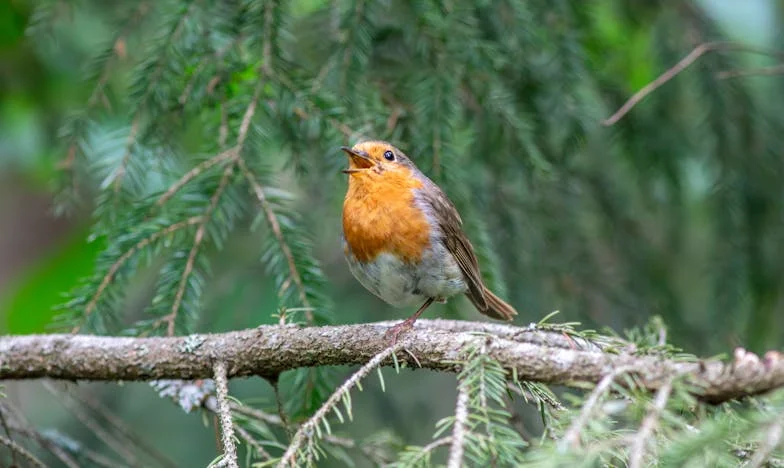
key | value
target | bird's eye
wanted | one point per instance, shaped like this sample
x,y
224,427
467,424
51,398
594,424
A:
x,y
389,156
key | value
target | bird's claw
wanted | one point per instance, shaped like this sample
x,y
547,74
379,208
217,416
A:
x,y
394,332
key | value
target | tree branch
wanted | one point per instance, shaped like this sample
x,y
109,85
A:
x,y
437,345
224,412
684,63
17,449
459,429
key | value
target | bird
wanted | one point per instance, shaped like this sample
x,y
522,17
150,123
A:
x,y
403,238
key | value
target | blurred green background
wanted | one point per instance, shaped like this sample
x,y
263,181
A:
x,y
684,215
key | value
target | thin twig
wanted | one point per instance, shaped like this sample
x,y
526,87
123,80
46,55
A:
x,y
459,429
272,220
773,438
195,172
7,433
119,173
365,450
248,438
307,430
136,18
22,426
120,426
116,445
762,71
216,56
649,425
151,85
684,63
429,448
107,279
171,317
17,449
248,116
256,414
572,437
223,130
224,412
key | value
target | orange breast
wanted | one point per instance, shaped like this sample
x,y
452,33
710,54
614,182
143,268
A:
x,y
379,216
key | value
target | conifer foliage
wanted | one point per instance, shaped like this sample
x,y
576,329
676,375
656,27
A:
x,y
204,120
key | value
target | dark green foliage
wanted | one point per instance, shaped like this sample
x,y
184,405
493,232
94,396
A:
x,y
675,211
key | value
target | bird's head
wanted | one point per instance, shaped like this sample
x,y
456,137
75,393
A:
x,y
375,157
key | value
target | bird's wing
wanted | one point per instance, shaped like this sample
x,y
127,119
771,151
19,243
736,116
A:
x,y
456,241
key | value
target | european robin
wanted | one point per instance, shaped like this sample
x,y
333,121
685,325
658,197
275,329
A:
x,y
403,238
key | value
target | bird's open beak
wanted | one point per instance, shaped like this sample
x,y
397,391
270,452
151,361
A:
x,y
359,160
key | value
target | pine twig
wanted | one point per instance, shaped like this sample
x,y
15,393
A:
x,y
274,224
459,429
22,426
762,71
307,429
195,172
119,173
17,449
572,437
256,414
107,279
684,63
7,431
156,76
120,427
224,412
245,436
136,17
171,318
649,425
773,438
101,433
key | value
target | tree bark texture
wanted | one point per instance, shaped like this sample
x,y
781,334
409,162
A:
x,y
536,354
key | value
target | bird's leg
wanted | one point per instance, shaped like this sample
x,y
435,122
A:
x,y
393,333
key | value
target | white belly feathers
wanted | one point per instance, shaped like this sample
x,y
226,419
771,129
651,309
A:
x,y
400,284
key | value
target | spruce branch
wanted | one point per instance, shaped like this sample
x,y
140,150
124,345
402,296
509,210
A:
x,y
270,350
120,427
773,438
195,172
115,267
224,412
17,449
415,457
171,318
119,173
118,52
572,437
217,56
98,93
676,69
649,425
21,426
459,429
274,224
311,428
252,442
762,71
95,427
149,88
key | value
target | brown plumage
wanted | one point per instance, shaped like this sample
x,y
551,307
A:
x,y
403,238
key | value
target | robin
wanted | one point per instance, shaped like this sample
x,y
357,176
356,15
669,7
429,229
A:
x,y
403,238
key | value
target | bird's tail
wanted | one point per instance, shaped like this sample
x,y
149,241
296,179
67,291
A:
x,y
493,306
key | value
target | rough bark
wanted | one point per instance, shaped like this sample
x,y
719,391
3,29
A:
x,y
536,355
